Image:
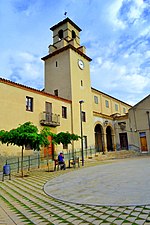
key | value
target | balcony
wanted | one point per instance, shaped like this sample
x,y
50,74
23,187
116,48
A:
x,y
50,119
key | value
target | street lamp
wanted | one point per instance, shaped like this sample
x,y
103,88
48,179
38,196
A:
x,y
81,101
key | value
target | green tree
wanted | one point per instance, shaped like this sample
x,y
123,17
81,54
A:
x,y
26,135
65,138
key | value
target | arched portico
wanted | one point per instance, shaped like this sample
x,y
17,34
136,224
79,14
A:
x,y
109,137
99,138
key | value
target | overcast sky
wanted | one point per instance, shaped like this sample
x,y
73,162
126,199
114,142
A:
x,y
116,34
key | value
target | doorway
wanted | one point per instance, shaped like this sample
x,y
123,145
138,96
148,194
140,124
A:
x,y
123,141
98,138
109,139
143,141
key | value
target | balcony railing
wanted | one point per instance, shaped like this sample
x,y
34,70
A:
x,y
50,119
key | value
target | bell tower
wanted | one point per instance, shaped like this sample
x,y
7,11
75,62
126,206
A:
x,y
64,33
64,54
67,74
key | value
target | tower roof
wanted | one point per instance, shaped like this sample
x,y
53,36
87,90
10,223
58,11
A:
x,y
63,22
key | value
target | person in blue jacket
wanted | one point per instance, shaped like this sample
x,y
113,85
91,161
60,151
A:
x,y
61,161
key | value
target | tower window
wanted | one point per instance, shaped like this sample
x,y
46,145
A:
x,y
56,64
64,112
73,34
56,92
82,83
60,34
83,117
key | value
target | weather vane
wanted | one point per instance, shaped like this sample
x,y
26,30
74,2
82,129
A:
x,y
65,14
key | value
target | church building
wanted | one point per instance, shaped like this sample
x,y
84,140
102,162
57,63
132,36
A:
x,y
68,100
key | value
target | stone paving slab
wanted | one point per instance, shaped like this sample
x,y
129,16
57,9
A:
x,y
26,203
4,218
122,183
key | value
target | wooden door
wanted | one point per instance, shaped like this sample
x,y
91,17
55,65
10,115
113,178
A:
x,y
49,151
143,142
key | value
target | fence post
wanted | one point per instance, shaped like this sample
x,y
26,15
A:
x,y
90,151
86,152
18,165
38,160
69,155
29,163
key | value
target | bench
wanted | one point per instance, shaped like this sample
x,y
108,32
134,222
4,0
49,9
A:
x,y
74,161
57,166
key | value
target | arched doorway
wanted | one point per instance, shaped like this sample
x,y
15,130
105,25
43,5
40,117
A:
x,y
98,138
109,138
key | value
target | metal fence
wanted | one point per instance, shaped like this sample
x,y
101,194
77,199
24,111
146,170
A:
x,y
36,161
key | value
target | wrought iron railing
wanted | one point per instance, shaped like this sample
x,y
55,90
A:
x,y
50,119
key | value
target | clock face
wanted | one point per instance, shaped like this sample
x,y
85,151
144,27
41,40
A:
x,y
80,64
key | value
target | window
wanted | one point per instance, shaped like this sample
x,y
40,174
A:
x,y
84,142
83,117
73,34
82,83
56,92
116,107
107,103
56,64
64,112
124,110
28,147
96,99
29,104
60,34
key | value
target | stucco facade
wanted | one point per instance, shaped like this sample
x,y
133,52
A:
x,y
139,125
67,82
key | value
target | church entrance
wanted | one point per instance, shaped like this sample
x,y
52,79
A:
x,y
98,138
109,138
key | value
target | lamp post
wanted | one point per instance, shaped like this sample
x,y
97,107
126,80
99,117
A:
x,y
81,101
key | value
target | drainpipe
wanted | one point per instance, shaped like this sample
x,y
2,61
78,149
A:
x,y
147,112
148,119
135,120
72,130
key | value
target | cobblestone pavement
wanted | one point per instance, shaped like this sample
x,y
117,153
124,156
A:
x,y
23,201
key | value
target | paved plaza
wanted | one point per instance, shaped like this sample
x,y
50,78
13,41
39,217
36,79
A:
x,y
123,182
23,201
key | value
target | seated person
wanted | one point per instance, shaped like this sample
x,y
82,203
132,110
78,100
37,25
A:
x,y
61,161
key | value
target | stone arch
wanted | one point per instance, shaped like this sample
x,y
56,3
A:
x,y
60,34
99,144
73,34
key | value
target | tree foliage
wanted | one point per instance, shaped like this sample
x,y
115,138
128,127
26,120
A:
x,y
24,135
65,138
